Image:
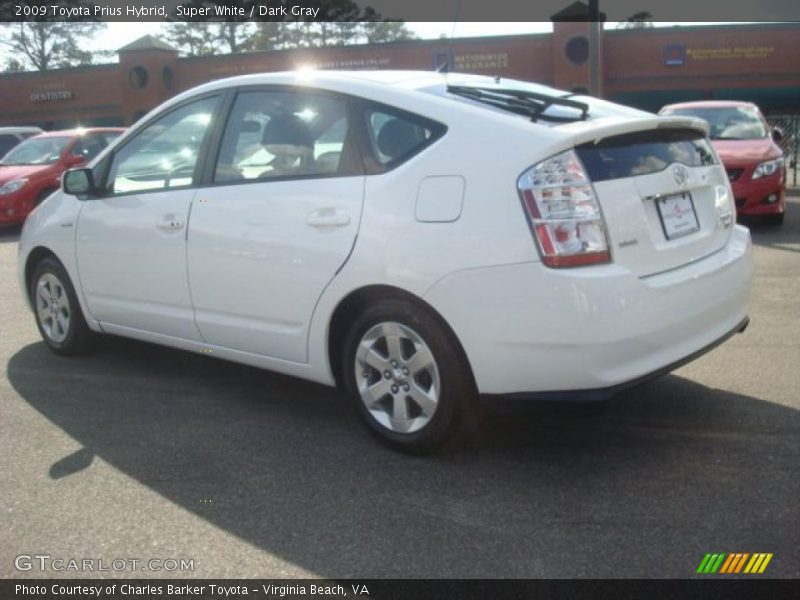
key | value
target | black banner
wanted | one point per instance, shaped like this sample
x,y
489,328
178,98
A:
x,y
404,10
416,589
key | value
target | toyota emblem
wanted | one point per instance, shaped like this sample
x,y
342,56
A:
x,y
681,174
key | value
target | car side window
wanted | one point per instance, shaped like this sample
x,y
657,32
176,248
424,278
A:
x,y
164,154
280,134
7,142
396,136
89,146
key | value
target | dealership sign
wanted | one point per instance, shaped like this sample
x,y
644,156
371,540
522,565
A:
x,y
51,96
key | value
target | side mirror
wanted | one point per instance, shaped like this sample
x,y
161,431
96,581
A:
x,y
77,182
777,135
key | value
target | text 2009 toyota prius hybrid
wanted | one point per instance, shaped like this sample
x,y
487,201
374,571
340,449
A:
x,y
417,238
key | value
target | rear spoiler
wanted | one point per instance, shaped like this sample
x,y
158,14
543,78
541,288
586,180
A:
x,y
596,130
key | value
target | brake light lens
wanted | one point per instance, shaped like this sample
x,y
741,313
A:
x,y
564,213
726,209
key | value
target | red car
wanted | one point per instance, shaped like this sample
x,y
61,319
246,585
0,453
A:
x,y
32,170
750,152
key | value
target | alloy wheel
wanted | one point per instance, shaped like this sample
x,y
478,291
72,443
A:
x,y
52,307
397,377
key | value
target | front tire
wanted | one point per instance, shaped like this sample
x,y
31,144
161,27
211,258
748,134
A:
x,y
58,313
407,377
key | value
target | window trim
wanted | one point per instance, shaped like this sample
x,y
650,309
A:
x,y
108,160
207,179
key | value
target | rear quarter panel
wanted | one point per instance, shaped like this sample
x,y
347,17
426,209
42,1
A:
x,y
489,152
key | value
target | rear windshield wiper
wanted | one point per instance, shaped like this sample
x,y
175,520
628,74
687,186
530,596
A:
x,y
522,102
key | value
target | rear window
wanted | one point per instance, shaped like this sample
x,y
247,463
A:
x,y
644,152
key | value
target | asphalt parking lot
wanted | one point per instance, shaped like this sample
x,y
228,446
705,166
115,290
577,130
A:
x,y
142,452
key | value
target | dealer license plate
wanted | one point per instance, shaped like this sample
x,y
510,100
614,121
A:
x,y
678,217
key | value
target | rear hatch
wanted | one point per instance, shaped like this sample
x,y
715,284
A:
x,y
663,195
659,185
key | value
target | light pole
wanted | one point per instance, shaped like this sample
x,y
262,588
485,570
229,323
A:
x,y
594,47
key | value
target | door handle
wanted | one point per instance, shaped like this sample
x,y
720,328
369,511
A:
x,y
170,223
328,217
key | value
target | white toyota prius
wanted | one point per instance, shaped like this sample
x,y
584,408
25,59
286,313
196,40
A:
x,y
416,238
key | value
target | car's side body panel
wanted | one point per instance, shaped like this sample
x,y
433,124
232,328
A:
x,y
260,255
132,261
261,285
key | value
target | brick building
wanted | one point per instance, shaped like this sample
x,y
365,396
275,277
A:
x,y
646,68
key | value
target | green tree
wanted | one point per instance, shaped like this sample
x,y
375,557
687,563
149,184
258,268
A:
x,y
43,45
271,35
12,65
305,34
204,38
234,36
378,32
191,39
639,20
346,32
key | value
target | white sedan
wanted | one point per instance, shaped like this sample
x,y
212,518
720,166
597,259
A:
x,y
416,238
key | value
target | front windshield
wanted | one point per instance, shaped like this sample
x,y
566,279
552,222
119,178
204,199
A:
x,y
729,122
37,151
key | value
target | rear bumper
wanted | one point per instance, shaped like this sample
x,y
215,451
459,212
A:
x,y
600,394
527,329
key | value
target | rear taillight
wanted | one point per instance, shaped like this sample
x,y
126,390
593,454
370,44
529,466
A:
x,y
564,213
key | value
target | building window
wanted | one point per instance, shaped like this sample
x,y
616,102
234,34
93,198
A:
x,y
138,77
168,77
577,50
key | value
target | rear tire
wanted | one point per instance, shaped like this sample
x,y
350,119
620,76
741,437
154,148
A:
x,y
57,311
407,378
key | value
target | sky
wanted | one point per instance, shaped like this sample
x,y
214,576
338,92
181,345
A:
x,y
117,35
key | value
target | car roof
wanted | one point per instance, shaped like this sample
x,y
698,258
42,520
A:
x,y
393,87
345,81
79,131
711,104
380,77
